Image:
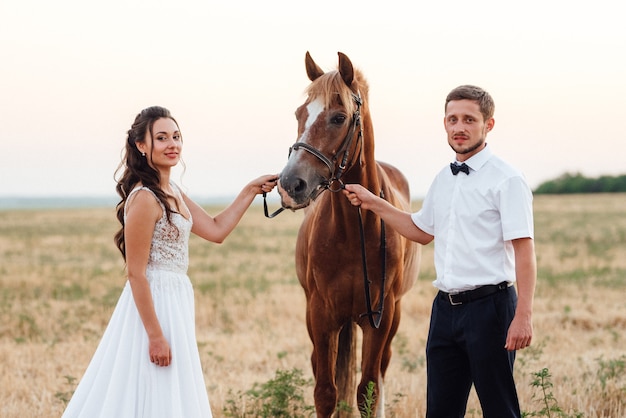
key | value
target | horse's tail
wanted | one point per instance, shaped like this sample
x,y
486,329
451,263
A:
x,y
345,372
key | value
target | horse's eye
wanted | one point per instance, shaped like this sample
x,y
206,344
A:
x,y
338,119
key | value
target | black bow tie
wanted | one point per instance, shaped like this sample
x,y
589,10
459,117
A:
x,y
456,168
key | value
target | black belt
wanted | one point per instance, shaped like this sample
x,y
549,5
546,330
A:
x,y
470,295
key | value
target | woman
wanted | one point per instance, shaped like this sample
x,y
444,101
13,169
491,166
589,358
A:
x,y
147,364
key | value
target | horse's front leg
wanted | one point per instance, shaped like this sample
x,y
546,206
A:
x,y
376,357
324,337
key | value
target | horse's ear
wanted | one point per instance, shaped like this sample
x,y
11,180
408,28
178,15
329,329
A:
x,y
312,69
346,69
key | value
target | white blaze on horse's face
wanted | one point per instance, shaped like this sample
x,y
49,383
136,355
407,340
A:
x,y
314,109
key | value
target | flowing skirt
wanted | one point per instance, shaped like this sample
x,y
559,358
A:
x,y
121,382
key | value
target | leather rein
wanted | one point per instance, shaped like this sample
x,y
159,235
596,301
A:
x,y
336,171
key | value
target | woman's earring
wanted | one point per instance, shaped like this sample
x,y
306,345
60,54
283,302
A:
x,y
143,154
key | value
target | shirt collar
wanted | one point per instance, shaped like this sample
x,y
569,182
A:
x,y
475,162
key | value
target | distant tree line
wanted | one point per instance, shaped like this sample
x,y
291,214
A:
x,y
577,183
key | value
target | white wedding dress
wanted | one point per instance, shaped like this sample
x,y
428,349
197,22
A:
x,y
120,381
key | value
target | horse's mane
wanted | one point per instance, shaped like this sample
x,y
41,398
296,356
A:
x,y
330,87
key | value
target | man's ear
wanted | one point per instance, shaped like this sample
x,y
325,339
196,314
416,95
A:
x,y
490,124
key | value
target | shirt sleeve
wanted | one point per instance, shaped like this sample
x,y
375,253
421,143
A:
x,y
516,209
424,219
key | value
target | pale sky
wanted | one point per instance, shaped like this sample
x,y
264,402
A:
x,y
74,73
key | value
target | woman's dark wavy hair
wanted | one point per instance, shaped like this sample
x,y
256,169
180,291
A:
x,y
134,167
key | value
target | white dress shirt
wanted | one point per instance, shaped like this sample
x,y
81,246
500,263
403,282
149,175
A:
x,y
473,219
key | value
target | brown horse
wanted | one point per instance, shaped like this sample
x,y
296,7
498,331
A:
x,y
345,260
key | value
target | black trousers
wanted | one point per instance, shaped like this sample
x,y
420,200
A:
x,y
466,346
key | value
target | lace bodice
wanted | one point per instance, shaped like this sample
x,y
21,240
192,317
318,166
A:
x,y
169,249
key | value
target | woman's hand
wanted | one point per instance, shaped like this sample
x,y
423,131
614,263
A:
x,y
160,353
264,184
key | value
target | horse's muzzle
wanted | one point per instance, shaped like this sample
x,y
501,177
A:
x,y
294,194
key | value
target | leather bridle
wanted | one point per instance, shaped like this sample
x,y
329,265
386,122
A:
x,y
337,170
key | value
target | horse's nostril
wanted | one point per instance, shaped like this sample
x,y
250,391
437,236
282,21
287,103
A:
x,y
299,186
294,186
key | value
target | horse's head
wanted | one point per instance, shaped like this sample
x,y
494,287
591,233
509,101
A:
x,y
329,134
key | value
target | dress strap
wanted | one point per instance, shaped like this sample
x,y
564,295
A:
x,y
138,188
179,196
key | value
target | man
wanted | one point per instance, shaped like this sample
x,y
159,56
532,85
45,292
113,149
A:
x,y
479,213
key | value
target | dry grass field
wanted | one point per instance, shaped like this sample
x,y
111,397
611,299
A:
x,y
60,277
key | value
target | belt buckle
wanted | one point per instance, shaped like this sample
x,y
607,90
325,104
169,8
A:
x,y
453,303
